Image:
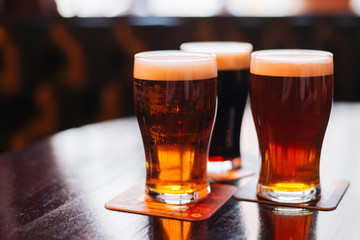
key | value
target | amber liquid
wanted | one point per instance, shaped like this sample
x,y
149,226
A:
x,y
291,116
232,95
176,119
286,224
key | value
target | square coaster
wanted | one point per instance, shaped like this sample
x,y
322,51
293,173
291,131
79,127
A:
x,y
135,200
231,175
331,194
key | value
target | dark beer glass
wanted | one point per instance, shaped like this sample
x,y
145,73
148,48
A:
x,y
233,61
175,104
291,94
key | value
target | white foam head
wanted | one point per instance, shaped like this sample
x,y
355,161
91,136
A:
x,y
171,65
291,63
229,55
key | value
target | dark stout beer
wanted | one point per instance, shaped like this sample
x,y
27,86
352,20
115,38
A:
x,y
175,103
291,97
233,60
232,96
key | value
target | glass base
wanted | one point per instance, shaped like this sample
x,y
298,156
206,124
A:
x,y
223,166
288,197
178,199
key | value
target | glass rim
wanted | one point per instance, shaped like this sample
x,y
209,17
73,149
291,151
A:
x,y
173,55
217,47
292,55
291,62
170,65
230,55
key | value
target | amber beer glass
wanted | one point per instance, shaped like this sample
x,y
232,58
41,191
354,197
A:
x,y
233,61
175,104
291,94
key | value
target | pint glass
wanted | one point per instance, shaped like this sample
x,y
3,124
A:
x,y
175,105
291,95
233,61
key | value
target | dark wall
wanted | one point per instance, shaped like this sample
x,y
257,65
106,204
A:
x,y
61,73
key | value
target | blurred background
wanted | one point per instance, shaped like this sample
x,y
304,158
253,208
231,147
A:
x,y
66,63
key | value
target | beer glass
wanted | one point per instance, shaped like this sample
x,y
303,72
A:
x,y
291,94
175,105
233,61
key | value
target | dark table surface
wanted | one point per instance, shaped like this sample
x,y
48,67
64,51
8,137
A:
x,y
56,188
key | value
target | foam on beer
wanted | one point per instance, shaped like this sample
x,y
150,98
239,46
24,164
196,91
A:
x,y
229,55
291,63
174,65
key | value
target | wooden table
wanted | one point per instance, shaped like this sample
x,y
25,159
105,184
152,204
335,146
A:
x,y
57,188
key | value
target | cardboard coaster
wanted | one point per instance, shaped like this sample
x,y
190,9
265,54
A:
x,y
331,194
134,200
231,175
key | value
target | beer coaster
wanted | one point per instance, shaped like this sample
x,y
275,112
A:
x,y
134,200
231,175
331,194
